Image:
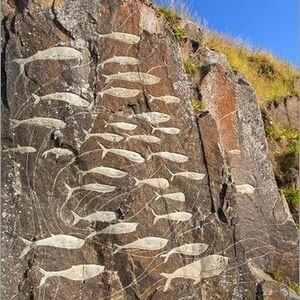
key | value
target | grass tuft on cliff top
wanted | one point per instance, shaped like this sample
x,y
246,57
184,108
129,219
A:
x,y
272,79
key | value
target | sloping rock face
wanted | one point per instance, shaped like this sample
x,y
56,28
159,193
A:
x,y
113,188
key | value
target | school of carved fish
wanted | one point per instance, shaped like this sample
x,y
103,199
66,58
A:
x,y
205,267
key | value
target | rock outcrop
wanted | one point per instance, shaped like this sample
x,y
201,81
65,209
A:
x,y
113,187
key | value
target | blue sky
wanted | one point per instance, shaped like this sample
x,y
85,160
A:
x,y
269,24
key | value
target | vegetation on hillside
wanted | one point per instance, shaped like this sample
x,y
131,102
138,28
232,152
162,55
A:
x,y
174,20
271,78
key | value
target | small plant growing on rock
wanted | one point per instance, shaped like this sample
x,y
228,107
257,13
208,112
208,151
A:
x,y
191,65
179,32
169,14
198,106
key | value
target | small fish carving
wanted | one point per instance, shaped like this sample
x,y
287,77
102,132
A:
x,y
54,53
179,196
167,99
166,130
245,189
57,241
77,273
92,187
69,98
118,228
120,92
130,155
110,137
143,138
175,157
127,38
187,174
122,60
106,171
37,121
205,267
148,243
187,249
160,183
153,117
121,125
177,216
99,216
21,149
138,77
58,152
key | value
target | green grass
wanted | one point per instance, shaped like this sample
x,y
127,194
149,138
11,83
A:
x,y
292,196
281,132
170,14
277,275
174,19
191,66
285,134
271,78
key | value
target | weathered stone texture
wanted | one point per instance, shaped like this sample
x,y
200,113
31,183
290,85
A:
x,y
227,145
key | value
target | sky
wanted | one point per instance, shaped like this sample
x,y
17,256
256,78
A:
x,y
268,24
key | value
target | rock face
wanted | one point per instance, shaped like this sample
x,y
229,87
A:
x,y
113,187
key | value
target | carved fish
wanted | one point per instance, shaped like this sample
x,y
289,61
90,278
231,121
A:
x,y
187,249
244,189
122,60
99,216
143,137
55,53
124,37
106,171
148,243
77,273
118,228
178,158
137,77
235,151
167,130
120,92
70,98
121,125
153,117
57,241
110,137
160,183
187,174
167,99
206,267
58,152
37,121
21,149
179,196
177,216
93,187
130,155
